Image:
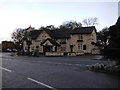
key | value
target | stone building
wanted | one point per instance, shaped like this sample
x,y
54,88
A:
x,y
77,40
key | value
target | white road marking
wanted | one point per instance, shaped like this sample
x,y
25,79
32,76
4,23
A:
x,y
38,82
67,64
6,69
63,63
78,64
7,59
87,65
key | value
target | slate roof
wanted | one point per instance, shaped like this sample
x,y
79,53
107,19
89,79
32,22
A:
x,y
62,33
53,42
83,30
59,33
34,34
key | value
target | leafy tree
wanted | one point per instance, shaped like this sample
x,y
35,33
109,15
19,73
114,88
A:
x,y
115,35
111,34
113,49
90,21
103,36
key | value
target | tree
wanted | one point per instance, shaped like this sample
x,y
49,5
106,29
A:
x,y
18,36
113,48
103,36
90,21
111,34
70,24
115,35
50,27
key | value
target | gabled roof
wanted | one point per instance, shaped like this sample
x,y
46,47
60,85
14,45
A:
x,y
53,42
83,30
62,33
29,28
34,34
59,33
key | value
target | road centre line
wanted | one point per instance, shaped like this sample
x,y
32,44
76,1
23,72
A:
x,y
78,64
68,64
7,59
43,84
58,63
5,69
87,65
62,63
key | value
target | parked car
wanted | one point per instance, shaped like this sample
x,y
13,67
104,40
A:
x,y
9,50
14,50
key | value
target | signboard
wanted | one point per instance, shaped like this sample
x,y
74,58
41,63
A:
x,y
38,40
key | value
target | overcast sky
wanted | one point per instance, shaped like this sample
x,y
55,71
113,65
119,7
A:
x,y
22,13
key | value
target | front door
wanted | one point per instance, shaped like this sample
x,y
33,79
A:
x,y
47,49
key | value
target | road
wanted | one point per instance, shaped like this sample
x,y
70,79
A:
x,y
54,72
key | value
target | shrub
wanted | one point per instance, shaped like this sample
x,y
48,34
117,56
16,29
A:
x,y
112,53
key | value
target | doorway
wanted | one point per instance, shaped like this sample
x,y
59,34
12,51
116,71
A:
x,y
47,49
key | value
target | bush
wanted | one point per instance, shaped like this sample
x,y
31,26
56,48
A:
x,y
112,53
105,68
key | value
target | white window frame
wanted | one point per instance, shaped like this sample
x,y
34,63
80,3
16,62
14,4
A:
x,y
32,48
80,46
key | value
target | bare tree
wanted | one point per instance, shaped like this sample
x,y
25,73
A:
x,y
51,27
90,21
18,36
70,24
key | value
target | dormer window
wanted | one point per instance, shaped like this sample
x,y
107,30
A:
x,y
63,41
80,38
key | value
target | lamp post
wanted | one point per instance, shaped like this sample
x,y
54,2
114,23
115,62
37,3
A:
x,y
29,42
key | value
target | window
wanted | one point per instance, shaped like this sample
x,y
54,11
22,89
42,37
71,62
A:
x,y
26,48
63,49
84,47
80,37
63,40
32,48
92,37
80,46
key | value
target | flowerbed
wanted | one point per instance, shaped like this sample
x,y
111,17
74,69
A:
x,y
105,68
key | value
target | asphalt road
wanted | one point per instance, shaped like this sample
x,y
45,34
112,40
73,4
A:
x,y
54,72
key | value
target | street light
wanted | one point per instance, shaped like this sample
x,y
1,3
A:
x,y
29,42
